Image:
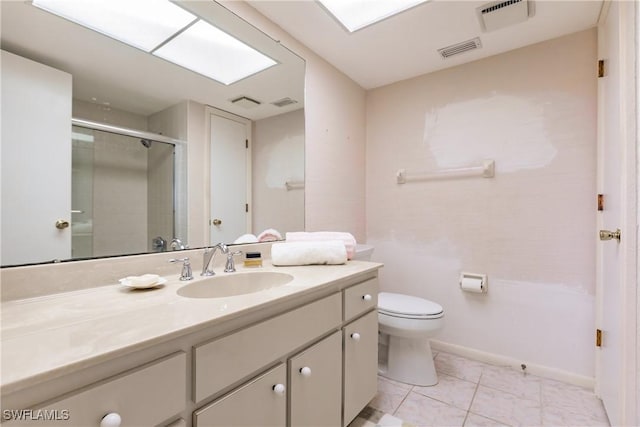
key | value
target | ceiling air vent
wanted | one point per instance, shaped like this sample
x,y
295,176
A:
x,y
500,14
245,102
459,48
284,102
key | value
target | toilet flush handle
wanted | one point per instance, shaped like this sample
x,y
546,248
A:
x,y
355,336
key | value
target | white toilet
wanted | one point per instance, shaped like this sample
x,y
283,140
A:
x,y
405,325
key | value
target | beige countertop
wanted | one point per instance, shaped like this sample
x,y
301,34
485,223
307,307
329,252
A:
x,y
48,336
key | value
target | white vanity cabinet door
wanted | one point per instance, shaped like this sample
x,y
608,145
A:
x,y
315,391
360,364
146,396
261,402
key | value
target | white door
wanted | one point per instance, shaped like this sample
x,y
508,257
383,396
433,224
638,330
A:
x,y
616,370
229,216
36,146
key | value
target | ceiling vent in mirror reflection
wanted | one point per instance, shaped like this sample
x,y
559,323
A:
x,y
284,102
246,102
458,48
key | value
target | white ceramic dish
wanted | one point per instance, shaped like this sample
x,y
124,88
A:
x,y
138,285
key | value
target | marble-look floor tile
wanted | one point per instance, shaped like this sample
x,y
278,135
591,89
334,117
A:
x,y
506,407
424,411
390,395
459,367
569,398
474,420
450,390
507,379
554,416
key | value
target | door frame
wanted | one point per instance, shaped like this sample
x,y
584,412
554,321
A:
x,y
207,153
630,298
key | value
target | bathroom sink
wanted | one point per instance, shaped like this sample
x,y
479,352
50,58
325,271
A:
x,y
233,284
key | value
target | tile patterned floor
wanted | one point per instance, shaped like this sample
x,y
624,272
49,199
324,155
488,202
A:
x,y
470,393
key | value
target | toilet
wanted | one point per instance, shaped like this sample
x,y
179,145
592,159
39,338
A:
x,y
405,325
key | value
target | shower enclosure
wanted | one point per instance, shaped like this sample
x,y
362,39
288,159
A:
x,y
122,191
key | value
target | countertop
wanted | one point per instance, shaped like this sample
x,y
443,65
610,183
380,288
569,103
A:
x,y
48,336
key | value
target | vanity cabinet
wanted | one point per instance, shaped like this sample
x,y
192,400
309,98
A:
x,y
311,361
329,382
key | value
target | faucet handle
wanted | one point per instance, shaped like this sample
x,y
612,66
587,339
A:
x,y
187,273
231,267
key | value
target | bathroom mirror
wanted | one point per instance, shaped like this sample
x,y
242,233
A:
x,y
116,84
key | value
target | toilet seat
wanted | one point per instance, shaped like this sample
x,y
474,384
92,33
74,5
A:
x,y
408,307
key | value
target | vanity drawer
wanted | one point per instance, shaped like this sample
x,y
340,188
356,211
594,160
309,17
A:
x,y
260,402
233,357
146,396
360,298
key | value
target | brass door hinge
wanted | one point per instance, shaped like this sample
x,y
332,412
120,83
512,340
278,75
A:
x,y
598,338
601,68
246,207
600,202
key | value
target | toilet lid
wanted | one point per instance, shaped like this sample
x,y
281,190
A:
x,y
406,305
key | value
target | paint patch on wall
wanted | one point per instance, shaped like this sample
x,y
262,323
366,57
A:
x,y
514,131
285,162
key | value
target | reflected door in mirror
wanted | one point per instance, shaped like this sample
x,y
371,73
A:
x,y
36,162
229,164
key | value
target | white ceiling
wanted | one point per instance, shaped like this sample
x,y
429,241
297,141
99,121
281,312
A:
x,y
405,45
106,71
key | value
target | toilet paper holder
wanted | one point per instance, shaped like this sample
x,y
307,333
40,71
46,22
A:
x,y
473,282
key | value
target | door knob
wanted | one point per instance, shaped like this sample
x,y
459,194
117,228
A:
x,y
216,222
61,224
608,235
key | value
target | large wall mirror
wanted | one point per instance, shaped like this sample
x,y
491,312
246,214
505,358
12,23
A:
x,y
141,132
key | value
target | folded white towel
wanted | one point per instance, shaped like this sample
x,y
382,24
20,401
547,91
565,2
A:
x,y
308,253
304,236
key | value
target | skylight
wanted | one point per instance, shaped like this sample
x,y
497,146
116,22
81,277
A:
x,y
168,31
144,24
209,51
357,14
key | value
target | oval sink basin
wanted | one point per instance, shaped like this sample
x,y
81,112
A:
x,y
233,284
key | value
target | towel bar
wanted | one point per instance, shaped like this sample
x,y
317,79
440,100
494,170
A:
x,y
487,170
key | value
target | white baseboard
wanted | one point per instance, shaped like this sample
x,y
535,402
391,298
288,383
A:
x,y
496,359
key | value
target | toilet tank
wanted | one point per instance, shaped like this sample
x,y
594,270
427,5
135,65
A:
x,y
363,252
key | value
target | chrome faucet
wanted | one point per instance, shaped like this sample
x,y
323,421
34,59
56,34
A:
x,y
230,266
186,273
176,244
208,256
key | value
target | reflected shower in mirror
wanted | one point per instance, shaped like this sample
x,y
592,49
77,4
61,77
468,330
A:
x,y
121,193
114,84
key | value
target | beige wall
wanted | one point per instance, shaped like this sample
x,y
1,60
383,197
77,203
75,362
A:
x,y
277,158
334,137
530,228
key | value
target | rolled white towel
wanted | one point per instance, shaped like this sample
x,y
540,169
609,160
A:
x,y
309,253
347,238
269,235
246,238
